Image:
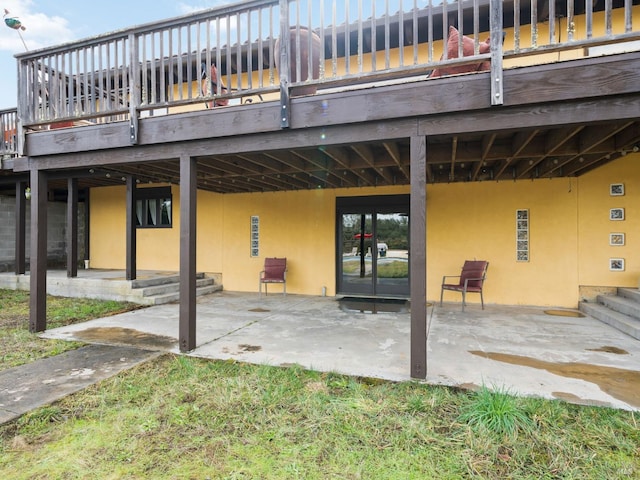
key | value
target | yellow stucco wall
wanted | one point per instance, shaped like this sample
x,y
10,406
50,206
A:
x,y
467,221
594,225
298,224
569,235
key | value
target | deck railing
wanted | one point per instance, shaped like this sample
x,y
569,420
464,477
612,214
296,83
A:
x,y
8,127
230,55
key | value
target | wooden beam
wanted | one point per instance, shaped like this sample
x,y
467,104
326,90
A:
x,y
38,257
188,201
72,227
394,152
131,231
21,228
418,257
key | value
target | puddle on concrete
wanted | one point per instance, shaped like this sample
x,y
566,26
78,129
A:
x,y
259,310
609,349
126,336
374,305
617,382
565,313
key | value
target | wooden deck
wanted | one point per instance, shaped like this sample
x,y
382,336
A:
x,y
560,119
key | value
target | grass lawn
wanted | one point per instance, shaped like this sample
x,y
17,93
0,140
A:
x,y
187,418
18,346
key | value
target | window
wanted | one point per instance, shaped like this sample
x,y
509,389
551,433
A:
x,y
153,207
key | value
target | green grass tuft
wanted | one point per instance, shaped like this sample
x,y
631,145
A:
x,y
497,411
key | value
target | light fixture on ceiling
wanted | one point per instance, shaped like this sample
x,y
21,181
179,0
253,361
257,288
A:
x,y
27,193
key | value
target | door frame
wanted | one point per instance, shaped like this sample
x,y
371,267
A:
x,y
373,204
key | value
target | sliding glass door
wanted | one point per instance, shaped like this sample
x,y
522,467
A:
x,y
373,246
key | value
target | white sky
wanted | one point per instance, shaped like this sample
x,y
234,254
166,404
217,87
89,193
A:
x,y
51,22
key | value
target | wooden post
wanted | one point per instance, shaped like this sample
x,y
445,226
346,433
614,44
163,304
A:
x,y
38,258
283,71
72,227
131,232
495,21
418,257
188,198
21,228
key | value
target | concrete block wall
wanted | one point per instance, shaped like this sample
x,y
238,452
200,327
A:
x,y
56,233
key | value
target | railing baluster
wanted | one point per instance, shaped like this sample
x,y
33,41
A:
x,y
387,35
445,29
347,39
430,30
462,31
401,34
334,40
534,23
628,20
495,22
476,26
415,32
163,71
360,39
516,25
608,11
322,49
283,71
238,51
552,22
571,25
589,17
374,36
133,74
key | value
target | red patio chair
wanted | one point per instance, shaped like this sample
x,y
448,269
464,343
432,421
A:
x,y
275,271
471,279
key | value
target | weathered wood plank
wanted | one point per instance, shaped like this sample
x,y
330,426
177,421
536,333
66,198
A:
x,y
21,224
279,140
188,201
418,278
38,254
72,227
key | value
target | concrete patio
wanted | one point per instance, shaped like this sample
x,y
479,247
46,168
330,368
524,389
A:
x,y
523,349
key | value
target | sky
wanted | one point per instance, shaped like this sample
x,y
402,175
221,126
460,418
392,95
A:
x,y
52,22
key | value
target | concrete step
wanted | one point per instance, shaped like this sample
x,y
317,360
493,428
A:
x,y
175,296
630,293
621,305
619,321
172,287
158,280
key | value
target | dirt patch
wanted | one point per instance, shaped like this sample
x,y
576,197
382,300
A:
x,y
617,382
571,398
609,349
259,310
565,313
126,336
249,348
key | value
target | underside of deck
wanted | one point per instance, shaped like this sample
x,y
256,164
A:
x,y
557,120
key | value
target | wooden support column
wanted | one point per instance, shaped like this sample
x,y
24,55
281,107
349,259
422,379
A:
x,y
38,257
21,228
72,227
87,211
188,197
418,257
131,231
